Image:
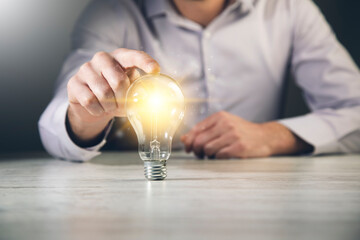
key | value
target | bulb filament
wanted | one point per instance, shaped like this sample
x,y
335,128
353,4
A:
x,y
154,144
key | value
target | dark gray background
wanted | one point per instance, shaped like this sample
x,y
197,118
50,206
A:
x,y
34,40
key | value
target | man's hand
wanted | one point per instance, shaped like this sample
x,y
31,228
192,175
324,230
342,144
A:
x,y
97,92
224,135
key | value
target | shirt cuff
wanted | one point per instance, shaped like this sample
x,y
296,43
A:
x,y
75,152
315,131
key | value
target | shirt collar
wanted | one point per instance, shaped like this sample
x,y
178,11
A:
x,y
154,8
160,7
246,5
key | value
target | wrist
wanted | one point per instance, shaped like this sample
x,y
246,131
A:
x,y
86,132
281,141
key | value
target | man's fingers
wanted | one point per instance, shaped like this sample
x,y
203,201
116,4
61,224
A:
x,y
97,91
119,82
132,58
115,76
133,74
85,98
189,138
227,152
100,87
211,148
203,138
206,123
224,153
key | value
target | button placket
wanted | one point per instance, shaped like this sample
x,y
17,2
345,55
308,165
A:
x,y
207,65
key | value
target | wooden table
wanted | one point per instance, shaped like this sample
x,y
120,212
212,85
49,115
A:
x,y
108,198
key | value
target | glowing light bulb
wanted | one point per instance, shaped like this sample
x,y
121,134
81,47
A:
x,y
155,106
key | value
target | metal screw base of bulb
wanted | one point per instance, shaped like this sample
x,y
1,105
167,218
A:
x,y
155,170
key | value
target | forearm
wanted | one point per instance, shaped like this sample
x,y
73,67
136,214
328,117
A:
x,y
55,137
328,130
330,81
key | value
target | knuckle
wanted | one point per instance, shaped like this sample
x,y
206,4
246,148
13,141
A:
x,y
100,55
88,101
121,77
118,51
69,89
222,113
85,68
239,146
235,138
119,85
113,73
221,116
150,61
226,124
229,125
106,92
196,129
199,142
70,83
200,127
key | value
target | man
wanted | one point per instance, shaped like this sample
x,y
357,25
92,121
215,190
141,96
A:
x,y
230,57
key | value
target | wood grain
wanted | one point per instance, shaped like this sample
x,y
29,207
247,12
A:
x,y
108,198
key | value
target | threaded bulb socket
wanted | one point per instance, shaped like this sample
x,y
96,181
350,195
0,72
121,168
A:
x,y
155,170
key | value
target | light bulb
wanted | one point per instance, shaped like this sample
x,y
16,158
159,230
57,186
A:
x,y
155,106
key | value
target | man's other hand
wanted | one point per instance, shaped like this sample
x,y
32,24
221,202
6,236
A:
x,y
97,91
224,135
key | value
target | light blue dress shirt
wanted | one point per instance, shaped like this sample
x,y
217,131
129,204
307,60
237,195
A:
x,y
236,64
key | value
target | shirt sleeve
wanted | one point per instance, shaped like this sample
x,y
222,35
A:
x,y
95,31
330,80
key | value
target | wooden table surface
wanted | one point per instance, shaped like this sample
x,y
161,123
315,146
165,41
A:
x,y
108,198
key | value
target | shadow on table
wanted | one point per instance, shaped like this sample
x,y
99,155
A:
x,y
199,179
24,155
171,179
121,158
